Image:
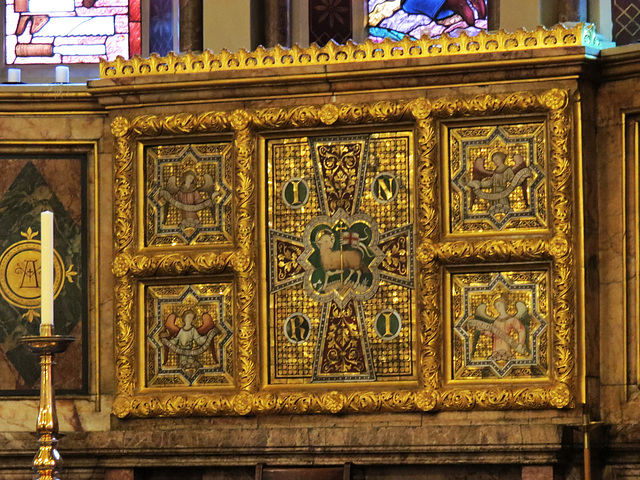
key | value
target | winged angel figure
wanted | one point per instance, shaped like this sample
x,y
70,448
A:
x,y
187,197
190,339
496,185
510,333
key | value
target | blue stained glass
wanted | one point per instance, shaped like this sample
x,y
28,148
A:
x,y
396,19
160,26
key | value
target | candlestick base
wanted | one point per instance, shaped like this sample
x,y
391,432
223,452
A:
x,y
47,462
48,343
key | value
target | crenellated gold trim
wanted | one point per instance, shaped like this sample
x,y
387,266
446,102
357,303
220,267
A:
x,y
580,34
433,391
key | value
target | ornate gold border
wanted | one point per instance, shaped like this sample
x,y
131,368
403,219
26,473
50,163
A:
x,y
433,392
541,38
556,247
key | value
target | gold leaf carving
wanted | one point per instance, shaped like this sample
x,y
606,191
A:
x,y
559,246
434,250
334,401
239,119
148,125
125,337
560,396
329,114
120,127
123,194
174,264
427,399
367,52
243,403
420,108
494,250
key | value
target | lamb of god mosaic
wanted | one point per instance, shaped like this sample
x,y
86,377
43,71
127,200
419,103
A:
x,y
341,248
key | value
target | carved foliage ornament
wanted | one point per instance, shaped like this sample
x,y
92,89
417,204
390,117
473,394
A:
x,y
484,42
549,254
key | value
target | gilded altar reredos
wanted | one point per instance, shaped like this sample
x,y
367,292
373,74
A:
x,y
418,252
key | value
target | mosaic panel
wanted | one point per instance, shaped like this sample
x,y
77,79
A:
x,y
498,178
350,292
188,194
341,269
189,335
499,323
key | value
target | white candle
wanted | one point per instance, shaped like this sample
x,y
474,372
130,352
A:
x,y
62,74
13,75
46,269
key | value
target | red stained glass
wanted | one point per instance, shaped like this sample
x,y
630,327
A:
x,y
80,31
134,10
134,38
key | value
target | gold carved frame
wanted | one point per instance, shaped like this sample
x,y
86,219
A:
x,y
436,254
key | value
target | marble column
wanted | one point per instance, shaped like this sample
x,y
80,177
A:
x,y
493,14
191,26
277,20
572,11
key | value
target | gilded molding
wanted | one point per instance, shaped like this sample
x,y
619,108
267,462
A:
x,y
494,251
172,264
368,52
125,336
245,259
433,251
433,390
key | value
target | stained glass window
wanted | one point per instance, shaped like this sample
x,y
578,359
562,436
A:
x,y
161,26
71,31
396,19
330,20
626,21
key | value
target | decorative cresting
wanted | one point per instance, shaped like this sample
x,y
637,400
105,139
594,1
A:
x,y
545,257
501,41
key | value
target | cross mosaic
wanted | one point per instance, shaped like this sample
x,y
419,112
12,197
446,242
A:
x,y
341,249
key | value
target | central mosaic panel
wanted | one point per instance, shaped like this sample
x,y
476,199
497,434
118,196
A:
x,y
341,249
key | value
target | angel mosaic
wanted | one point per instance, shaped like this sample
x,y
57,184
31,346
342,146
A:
x,y
509,332
189,340
185,195
496,185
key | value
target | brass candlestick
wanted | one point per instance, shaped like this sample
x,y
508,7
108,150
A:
x,y
47,461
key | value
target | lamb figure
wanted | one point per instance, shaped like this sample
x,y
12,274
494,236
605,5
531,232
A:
x,y
338,261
